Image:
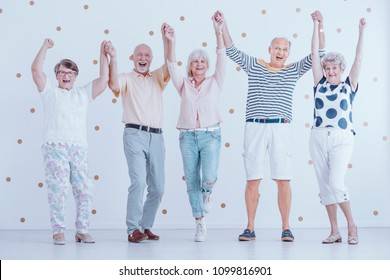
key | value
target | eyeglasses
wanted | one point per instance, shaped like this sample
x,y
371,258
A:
x,y
64,73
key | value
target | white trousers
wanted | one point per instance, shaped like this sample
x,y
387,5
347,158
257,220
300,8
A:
x,y
331,150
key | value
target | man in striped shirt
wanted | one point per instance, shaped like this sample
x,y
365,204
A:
x,y
268,120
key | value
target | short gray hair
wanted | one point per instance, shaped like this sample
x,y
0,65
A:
x,y
334,58
284,38
194,55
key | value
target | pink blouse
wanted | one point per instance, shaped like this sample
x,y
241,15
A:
x,y
203,101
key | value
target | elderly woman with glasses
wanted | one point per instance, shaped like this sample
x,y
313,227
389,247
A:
x,y
65,139
332,135
200,136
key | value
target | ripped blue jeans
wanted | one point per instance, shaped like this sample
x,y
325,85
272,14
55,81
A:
x,y
200,152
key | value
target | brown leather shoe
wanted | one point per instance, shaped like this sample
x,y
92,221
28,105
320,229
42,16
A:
x,y
137,236
151,235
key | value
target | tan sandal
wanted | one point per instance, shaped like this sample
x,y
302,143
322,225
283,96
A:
x,y
335,238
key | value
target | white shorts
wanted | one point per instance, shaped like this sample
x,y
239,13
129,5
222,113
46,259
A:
x,y
331,150
271,138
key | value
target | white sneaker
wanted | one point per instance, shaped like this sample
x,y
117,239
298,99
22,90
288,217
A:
x,y
201,231
207,202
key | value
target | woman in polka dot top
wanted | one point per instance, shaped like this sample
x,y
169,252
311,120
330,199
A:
x,y
332,135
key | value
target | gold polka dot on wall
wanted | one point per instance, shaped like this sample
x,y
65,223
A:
x,y
231,111
375,79
130,58
307,96
106,31
113,100
349,165
97,128
20,141
369,10
151,33
8,179
227,145
223,205
32,3
183,178
338,30
204,44
22,220
300,218
365,123
263,12
32,110
40,185
86,7
179,63
295,35
164,211
375,213
96,177
93,212
298,10
307,125
1,10
182,18
95,61
309,162
243,35
238,68
18,75
385,138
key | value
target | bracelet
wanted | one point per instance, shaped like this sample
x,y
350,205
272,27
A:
x,y
219,33
321,30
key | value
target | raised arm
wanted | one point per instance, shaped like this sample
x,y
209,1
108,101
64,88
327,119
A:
x,y
227,39
321,33
169,36
113,83
38,75
316,60
100,84
356,66
167,46
218,23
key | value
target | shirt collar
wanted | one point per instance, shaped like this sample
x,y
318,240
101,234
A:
x,y
149,74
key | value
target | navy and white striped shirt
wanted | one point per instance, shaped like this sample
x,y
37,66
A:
x,y
269,89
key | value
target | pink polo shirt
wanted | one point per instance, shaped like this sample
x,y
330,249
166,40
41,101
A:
x,y
202,102
142,100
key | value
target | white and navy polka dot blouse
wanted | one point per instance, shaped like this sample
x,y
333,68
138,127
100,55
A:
x,y
333,104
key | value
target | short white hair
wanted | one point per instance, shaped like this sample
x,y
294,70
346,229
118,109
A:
x,y
198,53
334,58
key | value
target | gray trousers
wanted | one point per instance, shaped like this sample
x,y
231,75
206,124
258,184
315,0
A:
x,y
145,155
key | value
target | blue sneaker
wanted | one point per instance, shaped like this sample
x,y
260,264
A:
x,y
247,235
287,236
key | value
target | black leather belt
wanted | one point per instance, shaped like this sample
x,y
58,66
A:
x,y
265,120
145,128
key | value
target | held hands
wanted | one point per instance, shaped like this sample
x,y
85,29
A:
x,y
317,16
168,32
108,48
218,21
48,43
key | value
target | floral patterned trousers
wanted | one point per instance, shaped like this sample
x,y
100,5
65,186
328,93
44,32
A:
x,y
67,165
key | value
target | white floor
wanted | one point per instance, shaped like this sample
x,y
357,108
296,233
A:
x,y
179,245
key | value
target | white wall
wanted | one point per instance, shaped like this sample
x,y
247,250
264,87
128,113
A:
x,y
24,25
